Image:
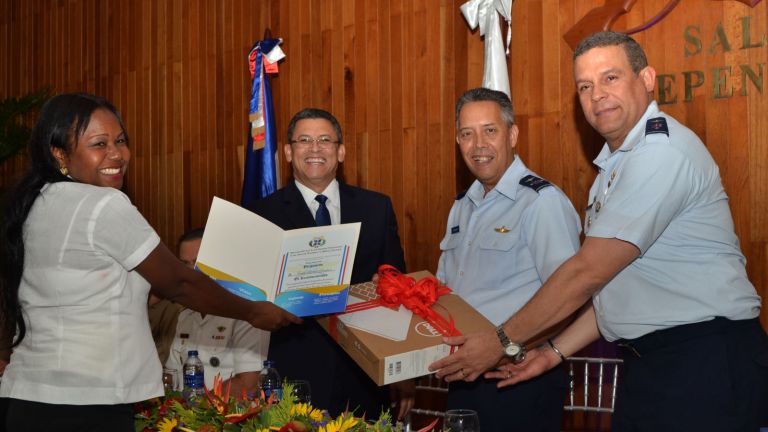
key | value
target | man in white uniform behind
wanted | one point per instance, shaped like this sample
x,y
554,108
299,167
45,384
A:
x,y
231,348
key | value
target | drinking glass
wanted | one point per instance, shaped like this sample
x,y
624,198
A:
x,y
169,379
301,391
461,420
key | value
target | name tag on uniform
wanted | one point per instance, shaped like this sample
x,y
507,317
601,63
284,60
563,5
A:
x,y
455,229
219,337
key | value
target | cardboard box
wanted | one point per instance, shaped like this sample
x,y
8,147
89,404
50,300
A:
x,y
387,361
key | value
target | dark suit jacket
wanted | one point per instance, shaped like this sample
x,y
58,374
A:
x,y
306,351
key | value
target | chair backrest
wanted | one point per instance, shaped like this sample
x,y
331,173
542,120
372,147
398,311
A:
x,y
430,401
593,384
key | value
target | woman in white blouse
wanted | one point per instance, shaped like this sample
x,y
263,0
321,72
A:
x,y
76,264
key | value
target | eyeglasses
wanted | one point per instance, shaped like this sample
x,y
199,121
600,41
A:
x,y
323,141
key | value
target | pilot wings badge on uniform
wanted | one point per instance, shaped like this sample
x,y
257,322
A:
x,y
502,229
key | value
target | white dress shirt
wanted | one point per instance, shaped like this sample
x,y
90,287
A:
x,y
333,203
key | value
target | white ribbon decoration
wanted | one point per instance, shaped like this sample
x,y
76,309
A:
x,y
483,13
276,54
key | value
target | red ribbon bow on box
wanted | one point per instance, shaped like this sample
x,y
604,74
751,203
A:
x,y
397,289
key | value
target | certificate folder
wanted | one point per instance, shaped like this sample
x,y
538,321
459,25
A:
x,y
305,271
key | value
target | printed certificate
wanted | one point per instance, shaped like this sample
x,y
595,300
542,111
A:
x,y
305,271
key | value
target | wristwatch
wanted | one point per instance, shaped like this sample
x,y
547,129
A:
x,y
513,350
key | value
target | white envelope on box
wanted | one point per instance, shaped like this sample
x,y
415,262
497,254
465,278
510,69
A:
x,y
381,321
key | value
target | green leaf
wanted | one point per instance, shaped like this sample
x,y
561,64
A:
x,y
14,134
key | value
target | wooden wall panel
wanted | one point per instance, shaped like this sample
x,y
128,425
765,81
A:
x,y
390,71
387,70
177,71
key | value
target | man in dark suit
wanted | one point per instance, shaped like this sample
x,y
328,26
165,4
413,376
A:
x,y
315,197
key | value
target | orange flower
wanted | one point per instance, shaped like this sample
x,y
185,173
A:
x,y
217,400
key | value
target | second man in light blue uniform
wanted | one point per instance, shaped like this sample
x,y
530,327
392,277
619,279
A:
x,y
504,237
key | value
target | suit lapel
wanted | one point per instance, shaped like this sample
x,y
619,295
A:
x,y
351,210
296,209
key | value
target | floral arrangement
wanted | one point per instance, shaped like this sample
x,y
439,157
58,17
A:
x,y
217,411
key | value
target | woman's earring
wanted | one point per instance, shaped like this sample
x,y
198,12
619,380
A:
x,y
64,171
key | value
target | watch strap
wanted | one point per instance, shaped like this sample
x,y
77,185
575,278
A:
x,y
502,337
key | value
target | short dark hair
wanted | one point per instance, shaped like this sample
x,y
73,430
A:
x,y
314,113
635,54
482,94
193,234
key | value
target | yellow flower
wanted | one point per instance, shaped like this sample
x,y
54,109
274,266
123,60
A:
x,y
306,410
167,425
341,424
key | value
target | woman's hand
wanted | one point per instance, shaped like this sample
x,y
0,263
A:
x,y
268,316
537,361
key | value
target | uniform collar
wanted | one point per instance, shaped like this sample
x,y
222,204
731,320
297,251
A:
x,y
634,137
200,319
507,185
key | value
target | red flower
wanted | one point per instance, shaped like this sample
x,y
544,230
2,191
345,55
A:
x,y
294,426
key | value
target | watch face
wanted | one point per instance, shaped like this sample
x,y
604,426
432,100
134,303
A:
x,y
512,350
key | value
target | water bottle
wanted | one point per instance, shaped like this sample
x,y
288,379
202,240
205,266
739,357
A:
x,y
270,381
194,375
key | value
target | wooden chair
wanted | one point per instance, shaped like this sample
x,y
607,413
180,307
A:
x,y
430,403
592,393
590,400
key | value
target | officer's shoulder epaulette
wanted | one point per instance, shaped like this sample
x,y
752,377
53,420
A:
x,y
656,125
461,195
535,183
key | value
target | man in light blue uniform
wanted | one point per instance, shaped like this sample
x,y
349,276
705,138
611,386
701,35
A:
x,y
504,237
660,261
661,191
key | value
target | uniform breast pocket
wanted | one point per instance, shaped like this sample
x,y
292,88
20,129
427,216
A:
x,y
499,257
498,241
218,342
451,242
